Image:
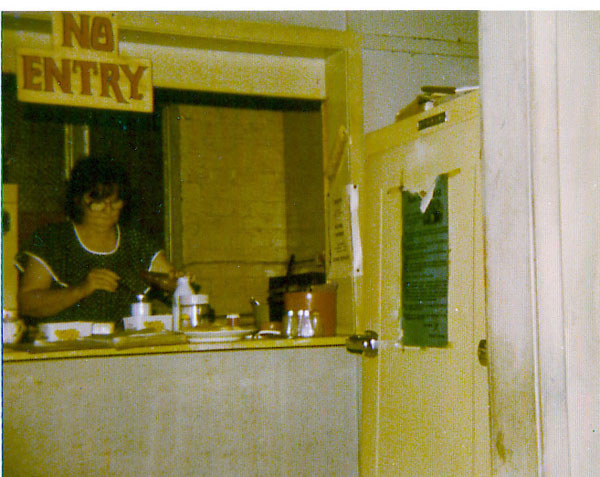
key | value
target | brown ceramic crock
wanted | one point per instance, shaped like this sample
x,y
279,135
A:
x,y
322,300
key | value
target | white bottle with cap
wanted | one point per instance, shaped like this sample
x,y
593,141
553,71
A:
x,y
183,288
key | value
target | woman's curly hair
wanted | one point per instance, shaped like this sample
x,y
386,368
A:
x,y
101,176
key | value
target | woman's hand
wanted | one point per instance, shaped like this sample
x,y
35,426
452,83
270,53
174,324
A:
x,y
100,279
162,265
38,299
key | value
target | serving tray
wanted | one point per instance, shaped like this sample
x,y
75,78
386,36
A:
x,y
217,335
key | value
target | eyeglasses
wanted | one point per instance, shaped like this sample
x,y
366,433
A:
x,y
100,205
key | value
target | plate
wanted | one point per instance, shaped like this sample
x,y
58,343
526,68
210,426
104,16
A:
x,y
218,335
12,331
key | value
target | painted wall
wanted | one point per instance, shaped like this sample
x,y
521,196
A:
x,y
403,50
251,195
305,212
260,412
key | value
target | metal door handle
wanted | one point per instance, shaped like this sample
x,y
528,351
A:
x,y
366,343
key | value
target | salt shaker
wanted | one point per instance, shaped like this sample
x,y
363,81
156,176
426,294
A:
x,y
290,325
305,327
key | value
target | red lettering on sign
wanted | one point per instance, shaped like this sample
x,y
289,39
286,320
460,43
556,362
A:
x,y
85,67
109,76
31,71
49,79
100,37
52,72
102,34
81,32
134,80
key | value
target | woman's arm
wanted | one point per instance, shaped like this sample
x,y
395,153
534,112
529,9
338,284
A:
x,y
38,300
160,264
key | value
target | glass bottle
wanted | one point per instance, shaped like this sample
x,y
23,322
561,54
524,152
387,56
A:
x,y
183,288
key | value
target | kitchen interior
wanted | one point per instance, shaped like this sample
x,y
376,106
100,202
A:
x,y
247,170
230,174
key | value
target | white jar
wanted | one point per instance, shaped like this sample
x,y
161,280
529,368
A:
x,y
183,289
194,309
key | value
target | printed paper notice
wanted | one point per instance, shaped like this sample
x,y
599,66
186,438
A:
x,y
343,232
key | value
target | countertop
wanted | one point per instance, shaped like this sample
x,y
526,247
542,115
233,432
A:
x,y
16,355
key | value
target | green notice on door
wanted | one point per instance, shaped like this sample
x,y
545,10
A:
x,y
425,268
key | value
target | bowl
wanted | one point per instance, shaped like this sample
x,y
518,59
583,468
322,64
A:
x,y
149,322
103,328
12,331
67,331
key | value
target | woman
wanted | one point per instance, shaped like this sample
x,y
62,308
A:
x,y
87,269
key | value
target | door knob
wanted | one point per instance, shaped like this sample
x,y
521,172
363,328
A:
x,y
366,343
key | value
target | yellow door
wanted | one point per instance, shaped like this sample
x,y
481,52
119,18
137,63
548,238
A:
x,y
424,408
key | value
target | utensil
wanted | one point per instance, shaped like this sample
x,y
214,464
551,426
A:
x,y
288,274
164,281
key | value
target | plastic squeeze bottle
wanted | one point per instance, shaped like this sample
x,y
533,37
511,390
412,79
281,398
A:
x,y
183,288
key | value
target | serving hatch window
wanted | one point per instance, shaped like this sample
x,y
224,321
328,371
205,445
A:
x,y
35,156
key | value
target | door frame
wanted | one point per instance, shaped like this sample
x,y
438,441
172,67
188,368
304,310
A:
x,y
540,79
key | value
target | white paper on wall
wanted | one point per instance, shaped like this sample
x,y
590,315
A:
x,y
344,233
356,243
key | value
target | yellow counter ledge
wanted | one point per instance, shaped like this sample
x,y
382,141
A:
x,y
12,355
